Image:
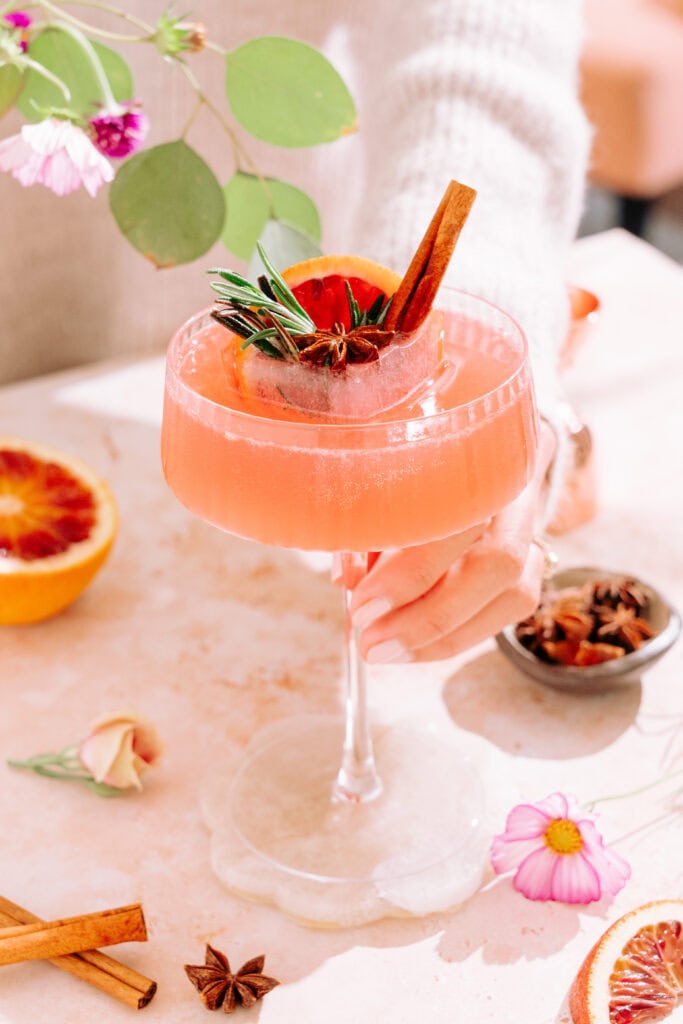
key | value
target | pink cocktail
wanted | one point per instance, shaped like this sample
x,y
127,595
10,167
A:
x,y
279,467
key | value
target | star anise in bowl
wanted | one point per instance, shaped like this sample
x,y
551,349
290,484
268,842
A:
x,y
592,630
572,625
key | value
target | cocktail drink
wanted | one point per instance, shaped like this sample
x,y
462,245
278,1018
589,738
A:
x,y
351,439
448,456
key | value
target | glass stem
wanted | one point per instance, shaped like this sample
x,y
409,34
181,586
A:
x,y
357,780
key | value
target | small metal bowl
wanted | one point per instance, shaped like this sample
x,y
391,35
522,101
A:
x,y
610,674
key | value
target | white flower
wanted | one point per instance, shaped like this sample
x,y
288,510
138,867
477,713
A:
x,y
56,154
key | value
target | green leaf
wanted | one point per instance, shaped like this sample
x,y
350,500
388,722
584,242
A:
x,y
168,204
249,206
10,87
285,245
60,53
287,93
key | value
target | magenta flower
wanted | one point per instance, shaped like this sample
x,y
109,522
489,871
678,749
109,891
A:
x,y
118,133
20,20
557,853
56,154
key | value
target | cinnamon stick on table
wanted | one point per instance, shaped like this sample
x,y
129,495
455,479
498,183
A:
x,y
416,293
46,939
97,969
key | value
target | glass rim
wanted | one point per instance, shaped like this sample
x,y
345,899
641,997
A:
x,y
372,425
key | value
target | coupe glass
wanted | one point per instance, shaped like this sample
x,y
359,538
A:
x,y
353,823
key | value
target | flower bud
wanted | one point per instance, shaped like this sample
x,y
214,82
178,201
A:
x,y
174,36
118,749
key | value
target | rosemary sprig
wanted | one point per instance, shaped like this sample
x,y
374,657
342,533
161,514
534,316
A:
x,y
267,316
354,308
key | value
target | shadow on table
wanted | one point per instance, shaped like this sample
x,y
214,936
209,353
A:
x,y
520,716
506,927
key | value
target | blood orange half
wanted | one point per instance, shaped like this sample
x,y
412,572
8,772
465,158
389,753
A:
x,y
57,524
634,974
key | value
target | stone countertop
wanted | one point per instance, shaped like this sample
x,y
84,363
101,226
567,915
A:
x,y
212,637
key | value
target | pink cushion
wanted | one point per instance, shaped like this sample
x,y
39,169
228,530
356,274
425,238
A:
x,y
632,88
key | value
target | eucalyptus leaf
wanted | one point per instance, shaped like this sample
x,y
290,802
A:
x,y
10,87
285,245
287,93
60,53
250,203
168,204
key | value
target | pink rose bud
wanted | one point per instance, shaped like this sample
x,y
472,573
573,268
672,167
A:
x,y
119,748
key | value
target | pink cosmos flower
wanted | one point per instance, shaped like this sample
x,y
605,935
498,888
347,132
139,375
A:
x,y
56,154
20,20
119,132
557,853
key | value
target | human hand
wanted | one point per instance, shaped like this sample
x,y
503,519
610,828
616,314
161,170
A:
x,y
435,600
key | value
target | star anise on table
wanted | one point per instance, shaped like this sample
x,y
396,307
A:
x,y
336,348
218,986
623,624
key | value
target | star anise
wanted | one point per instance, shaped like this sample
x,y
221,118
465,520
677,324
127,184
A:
x,y
623,590
622,624
537,630
336,348
574,624
574,599
595,654
570,627
218,986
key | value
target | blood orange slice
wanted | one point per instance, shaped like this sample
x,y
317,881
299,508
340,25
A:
x,y
634,974
57,524
318,284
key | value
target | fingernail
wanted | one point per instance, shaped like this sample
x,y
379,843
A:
x,y
370,611
388,650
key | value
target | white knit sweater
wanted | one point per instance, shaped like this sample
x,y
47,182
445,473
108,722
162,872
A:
x,y
479,90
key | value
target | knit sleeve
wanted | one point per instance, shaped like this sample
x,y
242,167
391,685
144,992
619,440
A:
x,y
484,92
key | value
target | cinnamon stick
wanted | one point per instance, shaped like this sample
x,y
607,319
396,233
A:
x,y
97,969
416,293
45,939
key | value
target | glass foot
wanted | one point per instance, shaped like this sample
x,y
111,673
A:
x,y
280,837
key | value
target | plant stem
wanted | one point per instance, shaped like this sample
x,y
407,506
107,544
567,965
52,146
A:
x,y
40,70
241,156
634,792
116,37
201,95
215,48
195,110
89,51
118,12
